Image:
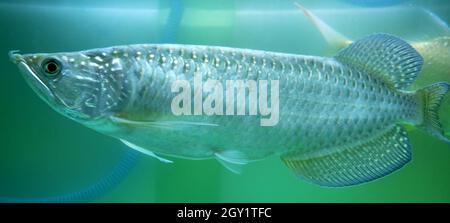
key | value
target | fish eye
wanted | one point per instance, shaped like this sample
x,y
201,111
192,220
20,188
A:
x,y
51,67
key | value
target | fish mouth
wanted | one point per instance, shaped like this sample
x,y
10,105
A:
x,y
14,56
31,76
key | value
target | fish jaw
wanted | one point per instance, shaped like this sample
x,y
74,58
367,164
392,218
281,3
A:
x,y
31,77
14,56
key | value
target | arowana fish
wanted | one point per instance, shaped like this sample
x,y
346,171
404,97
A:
x,y
340,121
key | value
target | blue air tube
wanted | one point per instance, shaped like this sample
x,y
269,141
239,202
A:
x,y
104,184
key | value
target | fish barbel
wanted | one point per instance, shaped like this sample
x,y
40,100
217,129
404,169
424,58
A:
x,y
339,120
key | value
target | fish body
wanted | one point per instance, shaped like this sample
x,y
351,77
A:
x,y
338,119
315,94
323,102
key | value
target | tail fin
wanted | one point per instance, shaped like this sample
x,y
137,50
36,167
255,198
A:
x,y
335,40
430,99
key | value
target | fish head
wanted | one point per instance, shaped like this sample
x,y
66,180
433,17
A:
x,y
68,82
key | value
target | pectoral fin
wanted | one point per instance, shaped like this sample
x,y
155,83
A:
x,y
355,164
170,125
145,151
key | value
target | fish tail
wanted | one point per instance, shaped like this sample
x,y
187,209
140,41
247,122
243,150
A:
x,y
430,99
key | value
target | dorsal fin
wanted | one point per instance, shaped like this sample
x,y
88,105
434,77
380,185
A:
x,y
385,56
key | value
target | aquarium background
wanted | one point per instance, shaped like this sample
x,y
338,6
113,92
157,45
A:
x,y
45,157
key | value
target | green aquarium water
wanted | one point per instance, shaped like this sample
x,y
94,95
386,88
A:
x,y
45,157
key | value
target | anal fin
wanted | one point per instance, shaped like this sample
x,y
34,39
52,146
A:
x,y
355,164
